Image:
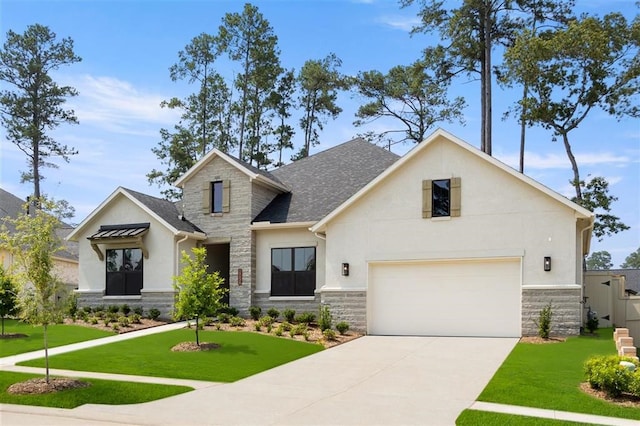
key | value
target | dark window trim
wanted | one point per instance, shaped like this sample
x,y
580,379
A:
x,y
441,197
293,283
217,190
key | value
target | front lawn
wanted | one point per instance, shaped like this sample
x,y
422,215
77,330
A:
x,y
474,418
100,392
57,335
240,354
548,376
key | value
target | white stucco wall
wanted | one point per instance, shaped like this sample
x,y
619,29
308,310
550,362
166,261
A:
x,y
158,268
500,217
283,238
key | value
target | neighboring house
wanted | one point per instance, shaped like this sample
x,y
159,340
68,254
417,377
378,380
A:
x,y
443,241
65,261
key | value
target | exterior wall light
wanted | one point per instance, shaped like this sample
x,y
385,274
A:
x,y
345,269
547,263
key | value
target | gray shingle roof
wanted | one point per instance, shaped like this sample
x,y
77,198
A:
x,y
632,278
322,182
167,210
12,206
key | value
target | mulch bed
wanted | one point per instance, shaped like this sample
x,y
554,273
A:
x,y
193,347
624,400
540,341
40,386
12,336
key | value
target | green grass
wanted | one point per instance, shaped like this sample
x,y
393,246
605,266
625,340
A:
x,y
57,335
474,418
100,392
241,354
549,375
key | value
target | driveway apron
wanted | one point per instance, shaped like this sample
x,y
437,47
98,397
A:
x,y
373,380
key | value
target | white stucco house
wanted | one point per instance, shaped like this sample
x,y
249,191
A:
x,y
445,240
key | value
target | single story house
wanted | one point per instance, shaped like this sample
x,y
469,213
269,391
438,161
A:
x,y
444,240
65,262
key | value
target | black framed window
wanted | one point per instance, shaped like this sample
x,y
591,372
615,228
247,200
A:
x,y
124,272
216,196
441,197
293,271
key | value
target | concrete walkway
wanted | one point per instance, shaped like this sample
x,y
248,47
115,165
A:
x,y
373,380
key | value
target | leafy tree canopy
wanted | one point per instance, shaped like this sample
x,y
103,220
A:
x,y
599,260
632,261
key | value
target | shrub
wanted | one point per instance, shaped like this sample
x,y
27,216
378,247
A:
x,y
255,312
154,313
257,326
93,320
342,327
544,322
83,315
266,320
324,318
329,334
115,326
125,309
273,313
233,312
99,308
289,315
113,309
87,309
286,326
123,321
224,317
279,331
236,321
269,328
299,329
138,310
605,373
306,318
72,307
135,318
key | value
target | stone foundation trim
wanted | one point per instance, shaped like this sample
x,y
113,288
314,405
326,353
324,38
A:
x,y
565,305
347,305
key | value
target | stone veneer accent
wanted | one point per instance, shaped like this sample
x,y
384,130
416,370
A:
x,y
565,305
300,306
163,301
245,199
347,305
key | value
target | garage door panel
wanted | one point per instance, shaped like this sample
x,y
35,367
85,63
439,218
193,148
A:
x,y
462,298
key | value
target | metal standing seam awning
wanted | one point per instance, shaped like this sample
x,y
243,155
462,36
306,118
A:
x,y
126,234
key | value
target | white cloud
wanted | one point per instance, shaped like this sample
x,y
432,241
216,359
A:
x,y
117,106
537,161
400,22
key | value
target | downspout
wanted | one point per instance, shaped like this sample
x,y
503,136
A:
x,y
588,228
177,260
317,234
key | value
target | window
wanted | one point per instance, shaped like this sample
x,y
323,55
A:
x,y
293,271
215,197
124,272
441,197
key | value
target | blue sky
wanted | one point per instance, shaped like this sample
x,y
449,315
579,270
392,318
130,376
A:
x,y
128,46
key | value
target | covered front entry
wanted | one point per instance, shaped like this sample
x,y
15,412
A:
x,y
479,297
218,260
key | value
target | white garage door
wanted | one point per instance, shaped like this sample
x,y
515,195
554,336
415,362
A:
x,y
445,298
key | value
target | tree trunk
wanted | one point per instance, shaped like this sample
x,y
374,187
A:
x,y
486,70
197,332
574,166
523,127
46,354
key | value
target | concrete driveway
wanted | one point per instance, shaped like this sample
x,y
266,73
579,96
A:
x,y
374,380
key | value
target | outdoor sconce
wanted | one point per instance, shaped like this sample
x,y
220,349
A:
x,y
547,263
345,269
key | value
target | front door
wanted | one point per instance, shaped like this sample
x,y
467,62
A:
x,y
218,260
